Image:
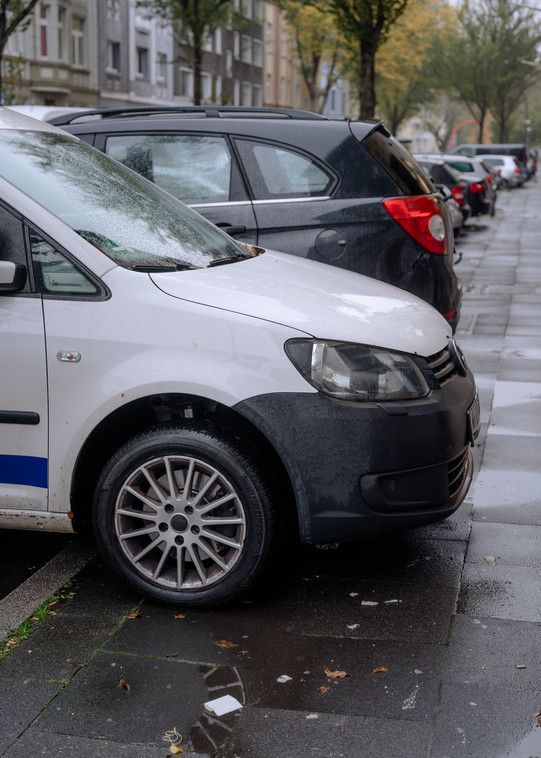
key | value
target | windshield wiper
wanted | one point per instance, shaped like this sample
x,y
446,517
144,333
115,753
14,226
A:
x,y
161,268
231,259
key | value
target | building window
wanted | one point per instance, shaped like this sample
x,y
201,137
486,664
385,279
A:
x,y
257,52
228,64
257,95
246,8
142,62
258,11
217,89
268,88
61,33
185,82
77,41
161,67
245,94
206,87
246,49
236,45
218,41
236,92
113,57
44,31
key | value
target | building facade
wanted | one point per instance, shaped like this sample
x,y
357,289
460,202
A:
x,y
54,61
110,53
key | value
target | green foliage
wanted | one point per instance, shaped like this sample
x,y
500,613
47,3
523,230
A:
x,y
365,25
484,61
193,22
13,14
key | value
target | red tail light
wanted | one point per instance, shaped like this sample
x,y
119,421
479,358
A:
x,y
478,187
458,194
420,216
489,179
517,170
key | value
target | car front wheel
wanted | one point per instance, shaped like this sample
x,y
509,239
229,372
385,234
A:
x,y
186,515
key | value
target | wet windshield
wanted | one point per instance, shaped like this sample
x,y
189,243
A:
x,y
129,219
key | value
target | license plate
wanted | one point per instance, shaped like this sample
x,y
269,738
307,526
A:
x,y
474,420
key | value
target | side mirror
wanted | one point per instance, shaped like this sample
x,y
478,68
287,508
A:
x,y
444,191
12,276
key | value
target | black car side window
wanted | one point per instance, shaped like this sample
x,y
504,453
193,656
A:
x,y
193,168
277,173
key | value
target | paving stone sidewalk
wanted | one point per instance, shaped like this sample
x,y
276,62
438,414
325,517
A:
x,y
443,661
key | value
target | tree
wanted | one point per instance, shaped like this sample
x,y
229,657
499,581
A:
x,y
484,60
13,14
192,21
317,42
365,25
405,79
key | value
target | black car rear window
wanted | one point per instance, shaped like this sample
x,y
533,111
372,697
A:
x,y
398,163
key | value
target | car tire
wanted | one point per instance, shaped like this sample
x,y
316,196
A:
x,y
187,515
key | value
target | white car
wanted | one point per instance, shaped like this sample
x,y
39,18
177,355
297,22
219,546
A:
x,y
509,169
200,402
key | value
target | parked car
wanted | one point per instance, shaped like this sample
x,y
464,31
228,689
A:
x,y
518,149
338,192
442,173
481,180
198,400
509,169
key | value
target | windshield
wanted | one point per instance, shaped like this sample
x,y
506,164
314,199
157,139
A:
x,y
129,219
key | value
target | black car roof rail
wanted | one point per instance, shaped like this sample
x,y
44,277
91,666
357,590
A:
x,y
206,111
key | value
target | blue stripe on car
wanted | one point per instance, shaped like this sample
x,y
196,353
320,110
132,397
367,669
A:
x,y
23,469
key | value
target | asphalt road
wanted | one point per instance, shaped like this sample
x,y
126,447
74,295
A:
x,y
426,645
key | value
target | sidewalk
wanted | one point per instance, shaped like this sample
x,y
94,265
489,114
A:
x,y
438,630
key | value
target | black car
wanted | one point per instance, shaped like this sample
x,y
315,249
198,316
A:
x,y
339,192
442,173
481,180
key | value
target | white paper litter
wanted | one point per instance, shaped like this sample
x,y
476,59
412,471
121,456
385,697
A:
x,y
223,705
283,678
368,602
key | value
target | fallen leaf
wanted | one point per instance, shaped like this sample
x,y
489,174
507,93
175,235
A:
x,y
180,616
134,615
520,666
123,685
323,689
380,670
174,750
334,674
225,643
171,655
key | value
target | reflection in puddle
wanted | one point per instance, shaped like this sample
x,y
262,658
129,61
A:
x,y
529,747
210,732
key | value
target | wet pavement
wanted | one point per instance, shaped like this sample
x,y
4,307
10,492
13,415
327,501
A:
x,y
426,645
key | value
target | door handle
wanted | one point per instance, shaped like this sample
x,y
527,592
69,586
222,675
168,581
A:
x,y
225,227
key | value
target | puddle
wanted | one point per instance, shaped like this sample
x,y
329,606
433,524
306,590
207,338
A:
x,y
529,747
210,733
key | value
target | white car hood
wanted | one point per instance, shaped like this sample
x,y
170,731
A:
x,y
320,300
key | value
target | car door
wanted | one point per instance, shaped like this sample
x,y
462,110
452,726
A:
x,y
23,385
198,169
292,201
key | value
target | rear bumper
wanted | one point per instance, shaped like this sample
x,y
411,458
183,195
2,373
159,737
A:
x,y
359,470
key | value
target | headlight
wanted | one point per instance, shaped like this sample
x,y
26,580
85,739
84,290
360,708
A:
x,y
357,372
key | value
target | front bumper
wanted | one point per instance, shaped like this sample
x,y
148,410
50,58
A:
x,y
360,470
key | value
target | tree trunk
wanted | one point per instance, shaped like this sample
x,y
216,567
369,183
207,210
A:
x,y
367,92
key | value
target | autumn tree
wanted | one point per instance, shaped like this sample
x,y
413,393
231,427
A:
x,y
317,44
13,14
192,22
365,25
405,77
